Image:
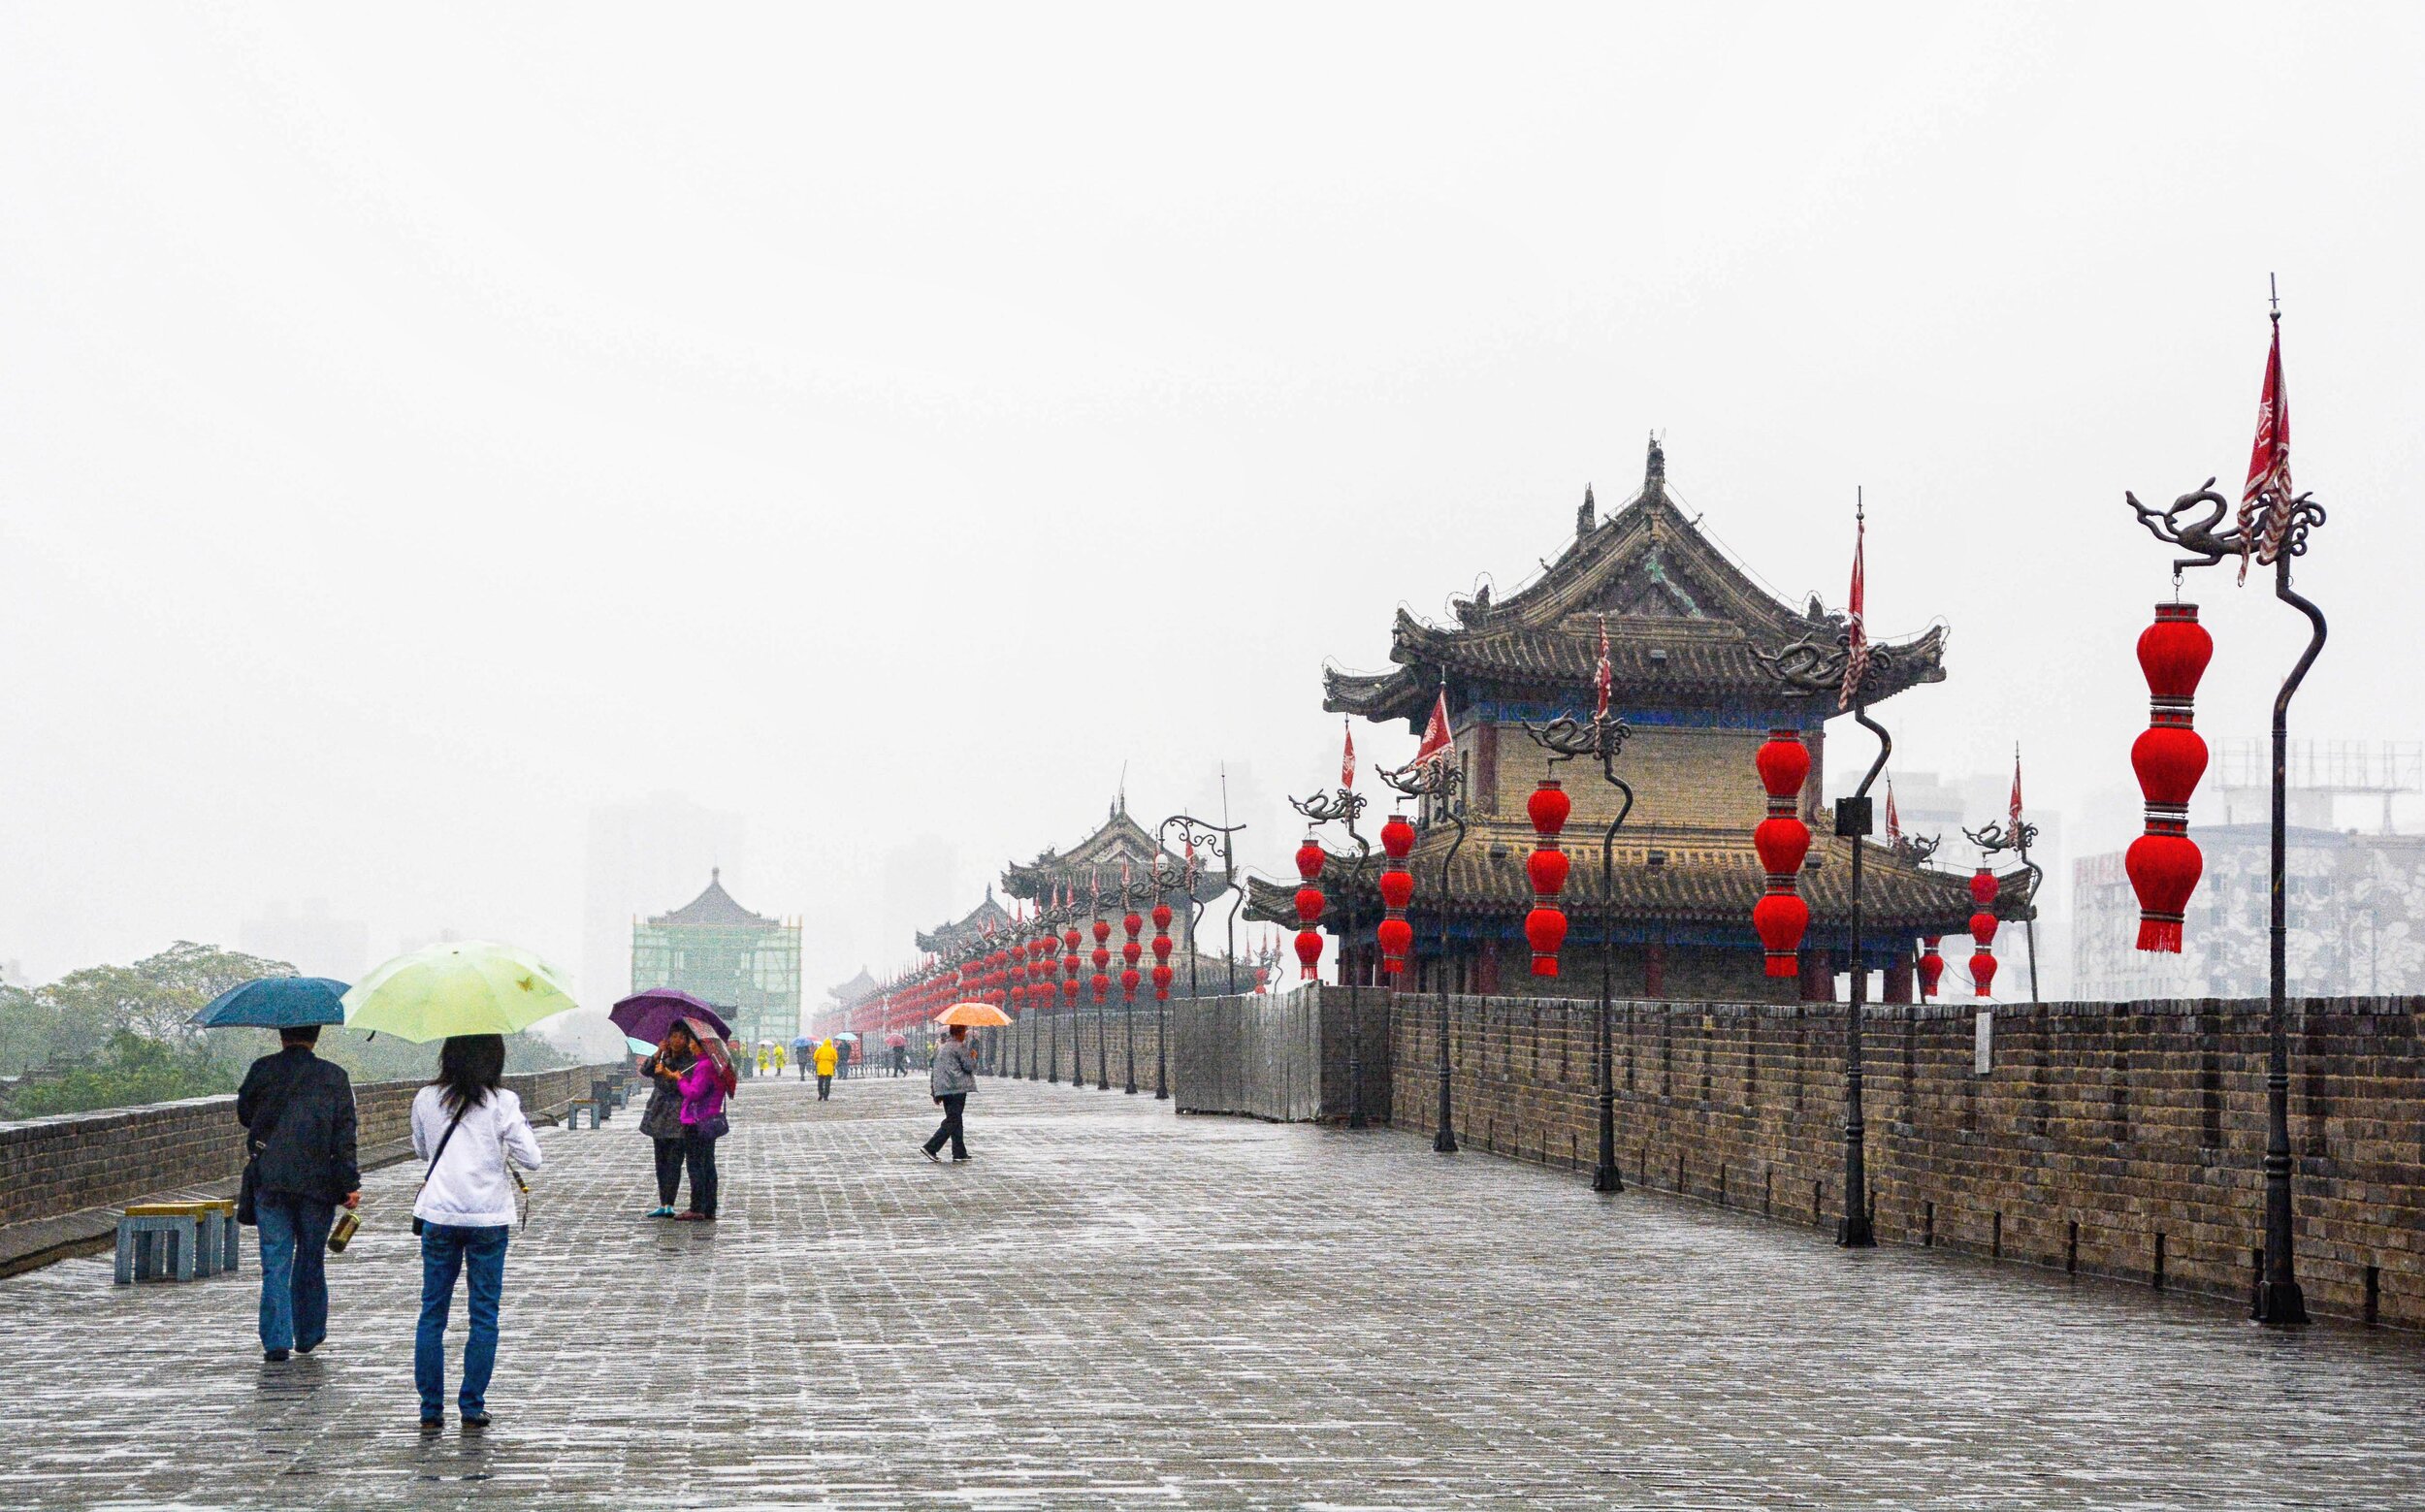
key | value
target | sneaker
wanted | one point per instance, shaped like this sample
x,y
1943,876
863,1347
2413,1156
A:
x,y
272,1356
433,1424
663,1212
474,1421
930,1154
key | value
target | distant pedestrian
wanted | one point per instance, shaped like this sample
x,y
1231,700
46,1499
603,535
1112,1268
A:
x,y
954,1077
844,1049
809,1055
704,1088
900,1060
298,1113
663,1121
827,1056
465,1125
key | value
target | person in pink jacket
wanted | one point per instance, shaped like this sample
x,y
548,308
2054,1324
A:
x,y
703,1089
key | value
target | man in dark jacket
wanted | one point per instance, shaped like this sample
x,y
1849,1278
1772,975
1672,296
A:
x,y
298,1113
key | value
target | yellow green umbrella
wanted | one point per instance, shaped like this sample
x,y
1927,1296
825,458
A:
x,y
457,986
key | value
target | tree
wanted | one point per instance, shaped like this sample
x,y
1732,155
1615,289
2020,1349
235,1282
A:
x,y
153,998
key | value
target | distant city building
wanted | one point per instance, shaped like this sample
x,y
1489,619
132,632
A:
x,y
310,940
2356,902
746,964
638,856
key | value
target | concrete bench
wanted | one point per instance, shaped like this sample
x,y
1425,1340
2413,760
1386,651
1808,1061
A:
x,y
579,1107
162,1240
602,1098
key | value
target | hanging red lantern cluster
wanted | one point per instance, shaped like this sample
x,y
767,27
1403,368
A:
x,y
1783,839
1102,957
1931,964
1070,941
1982,891
1161,952
2170,757
1309,903
1545,926
1396,937
1132,924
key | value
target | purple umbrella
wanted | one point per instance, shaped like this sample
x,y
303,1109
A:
x,y
649,1015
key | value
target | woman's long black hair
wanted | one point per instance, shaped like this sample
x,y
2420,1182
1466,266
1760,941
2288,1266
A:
x,y
469,1067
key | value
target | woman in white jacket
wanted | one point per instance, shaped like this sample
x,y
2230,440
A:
x,y
465,1125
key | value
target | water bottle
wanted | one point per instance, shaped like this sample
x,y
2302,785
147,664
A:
x,y
342,1234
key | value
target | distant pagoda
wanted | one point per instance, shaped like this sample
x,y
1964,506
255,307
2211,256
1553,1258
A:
x,y
1682,623
746,964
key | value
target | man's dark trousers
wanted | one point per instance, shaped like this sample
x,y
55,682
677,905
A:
x,y
953,1104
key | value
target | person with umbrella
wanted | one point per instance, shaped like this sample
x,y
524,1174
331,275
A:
x,y
663,1121
298,1114
802,1046
955,1073
470,1128
899,1046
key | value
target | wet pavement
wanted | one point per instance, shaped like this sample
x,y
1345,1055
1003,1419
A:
x,y
1114,1306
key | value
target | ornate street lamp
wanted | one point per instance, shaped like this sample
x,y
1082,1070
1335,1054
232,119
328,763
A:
x,y
1161,980
2273,527
1996,839
1601,740
1343,807
1437,784
1854,669
1194,832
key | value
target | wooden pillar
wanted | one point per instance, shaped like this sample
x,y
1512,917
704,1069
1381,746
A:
x,y
1818,976
1898,978
1655,970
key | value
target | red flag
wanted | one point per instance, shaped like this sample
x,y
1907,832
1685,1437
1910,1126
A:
x,y
1604,677
2012,829
1857,663
2269,467
1893,821
1437,744
1347,760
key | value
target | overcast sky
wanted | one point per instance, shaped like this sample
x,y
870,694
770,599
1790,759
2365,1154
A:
x,y
417,428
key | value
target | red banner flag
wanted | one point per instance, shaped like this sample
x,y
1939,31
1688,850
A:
x,y
1347,760
2269,467
2013,828
1893,821
1857,663
1437,743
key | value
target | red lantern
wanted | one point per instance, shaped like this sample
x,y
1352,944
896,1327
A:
x,y
1102,957
1547,870
1102,930
1932,965
1310,901
2164,863
1398,838
1102,985
1546,930
1982,927
1547,807
1981,972
1309,951
1397,941
1781,919
1069,983
1071,938
1309,859
1397,890
1132,924
1984,887
1162,947
1162,917
1130,949
1129,980
1161,980
1783,841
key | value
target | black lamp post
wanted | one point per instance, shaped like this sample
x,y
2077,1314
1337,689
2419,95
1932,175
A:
x,y
1438,782
1194,832
1343,807
1817,665
1602,739
2275,535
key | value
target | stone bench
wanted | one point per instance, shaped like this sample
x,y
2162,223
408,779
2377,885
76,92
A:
x,y
166,1240
579,1107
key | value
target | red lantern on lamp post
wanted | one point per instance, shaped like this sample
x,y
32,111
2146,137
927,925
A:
x,y
1395,936
1545,926
1932,965
1310,905
1782,840
2169,757
1982,891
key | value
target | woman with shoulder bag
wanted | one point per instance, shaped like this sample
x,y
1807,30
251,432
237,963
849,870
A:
x,y
465,1125
662,1120
710,1080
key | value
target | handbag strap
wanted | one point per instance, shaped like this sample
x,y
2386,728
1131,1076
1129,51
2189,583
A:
x,y
443,1140
257,1137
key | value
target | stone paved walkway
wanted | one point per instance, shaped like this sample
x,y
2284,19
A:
x,y
1117,1308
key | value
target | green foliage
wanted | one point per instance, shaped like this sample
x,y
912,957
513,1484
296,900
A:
x,y
129,1069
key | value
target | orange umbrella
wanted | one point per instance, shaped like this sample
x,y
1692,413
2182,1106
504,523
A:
x,y
976,1016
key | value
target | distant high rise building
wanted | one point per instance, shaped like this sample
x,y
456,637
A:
x,y
309,938
641,855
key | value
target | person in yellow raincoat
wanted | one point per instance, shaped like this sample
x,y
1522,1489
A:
x,y
826,1054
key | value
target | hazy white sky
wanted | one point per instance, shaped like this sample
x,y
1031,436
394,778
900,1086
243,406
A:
x,y
416,429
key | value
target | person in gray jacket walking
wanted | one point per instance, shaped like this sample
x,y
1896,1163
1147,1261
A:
x,y
954,1077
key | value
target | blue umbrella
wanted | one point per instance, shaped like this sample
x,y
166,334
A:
x,y
275,1002
803,1043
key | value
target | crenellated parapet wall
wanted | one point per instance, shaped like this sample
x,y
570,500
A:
x,y
2119,1139
63,1164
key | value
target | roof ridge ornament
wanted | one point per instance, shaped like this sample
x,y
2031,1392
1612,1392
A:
x,y
1654,472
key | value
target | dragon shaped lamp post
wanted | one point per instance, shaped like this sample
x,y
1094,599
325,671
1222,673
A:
x,y
1601,739
1130,896
1162,885
1344,807
1996,840
2275,535
1437,783
1819,664
1193,832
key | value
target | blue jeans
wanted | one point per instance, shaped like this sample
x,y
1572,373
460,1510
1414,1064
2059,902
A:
x,y
446,1252
294,1233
